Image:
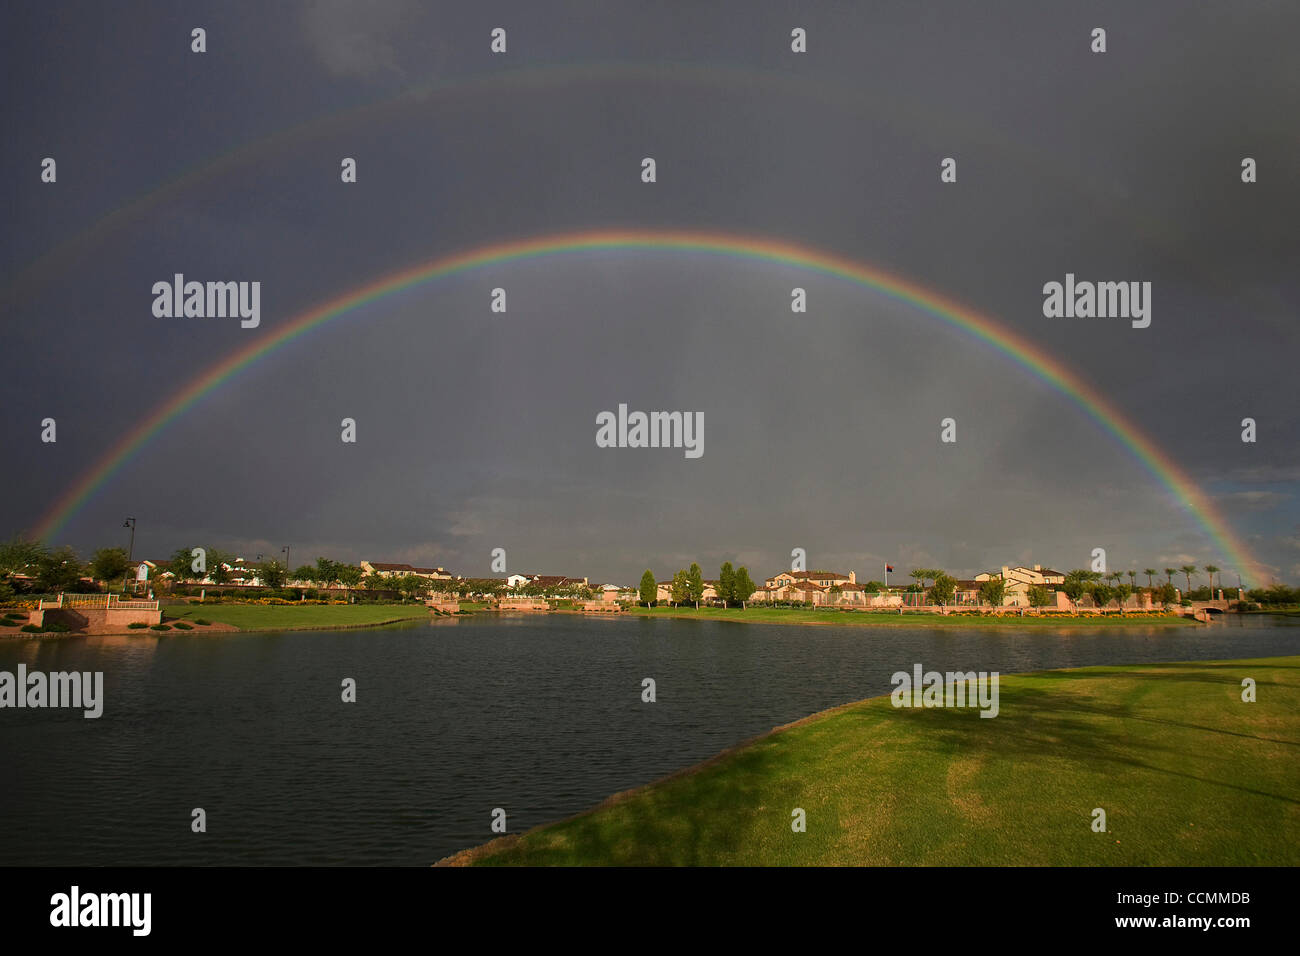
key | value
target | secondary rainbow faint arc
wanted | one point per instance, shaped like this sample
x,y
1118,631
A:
x,y
1020,349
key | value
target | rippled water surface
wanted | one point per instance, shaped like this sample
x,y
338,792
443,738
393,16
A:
x,y
540,715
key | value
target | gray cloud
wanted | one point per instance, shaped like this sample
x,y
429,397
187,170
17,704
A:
x,y
477,430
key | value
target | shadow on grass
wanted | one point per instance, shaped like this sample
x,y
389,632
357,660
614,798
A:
x,y
1038,723
714,812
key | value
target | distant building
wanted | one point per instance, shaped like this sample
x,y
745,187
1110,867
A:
x,y
664,591
823,579
546,583
1019,580
385,570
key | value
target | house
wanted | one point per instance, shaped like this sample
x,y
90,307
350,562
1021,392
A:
x,y
664,591
1019,580
546,583
155,572
243,574
385,570
798,591
824,579
612,593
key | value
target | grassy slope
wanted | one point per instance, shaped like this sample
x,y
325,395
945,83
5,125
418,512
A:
x,y
1187,773
778,615
256,617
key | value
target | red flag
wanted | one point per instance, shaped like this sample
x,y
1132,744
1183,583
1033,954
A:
x,y
889,567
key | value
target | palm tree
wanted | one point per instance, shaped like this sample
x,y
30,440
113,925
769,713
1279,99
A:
x,y
1169,575
1132,578
1212,570
1150,573
1188,570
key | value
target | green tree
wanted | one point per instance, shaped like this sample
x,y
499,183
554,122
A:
x,y
742,586
1132,579
994,591
327,572
726,584
216,562
1274,594
1039,596
1169,575
1150,573
272,574
20,556
1102,594
1122,594
648,588
1212,570
696,579
873,587
109,564
306,572
411,586
59,570
1078,583
681,588
349,575
943,589
1187,570
181,565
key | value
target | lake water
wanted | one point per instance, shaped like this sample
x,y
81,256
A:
x,y
540,715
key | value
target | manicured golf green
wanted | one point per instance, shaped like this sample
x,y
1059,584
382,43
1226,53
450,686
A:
x,y
1187,773
788,615
280,617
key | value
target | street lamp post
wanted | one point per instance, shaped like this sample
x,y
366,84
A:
x,y
130,550
285,551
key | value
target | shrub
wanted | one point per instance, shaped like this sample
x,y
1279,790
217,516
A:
x,y
159,627
54,627
182,626
134,625
9,622
203,622
31,629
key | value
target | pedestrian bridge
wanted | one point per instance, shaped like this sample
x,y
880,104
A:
x,y
1204,610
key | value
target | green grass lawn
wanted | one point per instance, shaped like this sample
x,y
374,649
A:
x,y
259,617
1187,773
787,615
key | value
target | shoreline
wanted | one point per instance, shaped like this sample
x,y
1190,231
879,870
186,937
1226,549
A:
x,y
214,628
802,617
570,835
191,611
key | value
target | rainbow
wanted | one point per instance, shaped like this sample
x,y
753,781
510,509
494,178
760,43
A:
x,y
1015,347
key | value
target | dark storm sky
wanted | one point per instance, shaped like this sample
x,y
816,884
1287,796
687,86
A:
x,y
477,431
